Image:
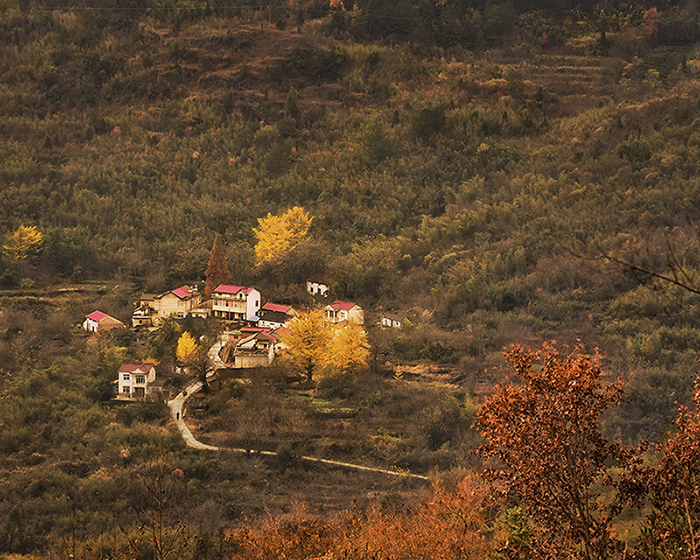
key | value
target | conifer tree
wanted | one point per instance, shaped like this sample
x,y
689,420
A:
x,y
217,269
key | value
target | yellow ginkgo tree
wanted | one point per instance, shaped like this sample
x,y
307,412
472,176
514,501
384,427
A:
x,y
186,347
22,242
306,340
347,348
312,344
278,234
194,357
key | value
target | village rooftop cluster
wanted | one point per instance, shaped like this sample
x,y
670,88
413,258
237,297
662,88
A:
x,y
253,343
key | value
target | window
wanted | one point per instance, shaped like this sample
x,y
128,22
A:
x,y
126,377
140,379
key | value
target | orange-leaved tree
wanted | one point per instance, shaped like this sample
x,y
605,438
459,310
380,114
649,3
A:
x,y
555,459
450,524
673,529
217,269
186,347
193,356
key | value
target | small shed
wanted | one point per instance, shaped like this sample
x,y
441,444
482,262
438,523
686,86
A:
x,y
97,321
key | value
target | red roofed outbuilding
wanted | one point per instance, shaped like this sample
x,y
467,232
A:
x,y
98,321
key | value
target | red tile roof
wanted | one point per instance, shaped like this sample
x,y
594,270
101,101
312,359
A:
x,y
226,289
183,291
276,307
337,305
97,316
135,368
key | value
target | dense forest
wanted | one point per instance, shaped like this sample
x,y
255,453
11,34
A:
x,y
491,172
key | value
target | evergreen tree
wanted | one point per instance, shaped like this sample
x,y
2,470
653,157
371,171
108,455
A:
x,y
217,269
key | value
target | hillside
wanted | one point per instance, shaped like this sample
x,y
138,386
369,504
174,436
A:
x,y
468,181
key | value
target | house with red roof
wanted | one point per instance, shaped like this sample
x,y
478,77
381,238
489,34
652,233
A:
x,y
153,308
135,381
275,315
278,307
340,311
235,303
98,321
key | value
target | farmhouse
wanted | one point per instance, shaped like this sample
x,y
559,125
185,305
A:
x,y
340,311
275,315
153,308
235,303
135,381
318,286
391,321
101,322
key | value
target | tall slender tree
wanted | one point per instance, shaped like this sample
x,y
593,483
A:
x,y
217,269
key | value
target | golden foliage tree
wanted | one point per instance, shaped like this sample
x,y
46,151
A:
x,y
186,347
347,348
306,341
217,269
24,241
276,235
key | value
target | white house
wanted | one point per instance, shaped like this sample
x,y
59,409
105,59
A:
x,y
340,311
235,303
318,286
274,315
135,380
101,322
391,321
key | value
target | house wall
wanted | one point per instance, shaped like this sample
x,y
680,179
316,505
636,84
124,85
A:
x,y
251,360
170,304
314,288
235,307
129,386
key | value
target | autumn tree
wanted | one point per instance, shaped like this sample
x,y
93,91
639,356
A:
x,y
306,341
194,357
673,530
546,432
347,348
217,270
186,346
22,242
276,235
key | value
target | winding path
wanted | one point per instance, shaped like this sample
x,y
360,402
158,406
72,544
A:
x,y
176,408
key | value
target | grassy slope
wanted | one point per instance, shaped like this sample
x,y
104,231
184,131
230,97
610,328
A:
x,y
443,189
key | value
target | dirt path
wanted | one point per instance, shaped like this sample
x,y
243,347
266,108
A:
x,y
176,408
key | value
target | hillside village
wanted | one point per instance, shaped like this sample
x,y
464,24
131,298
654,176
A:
x,y
251,334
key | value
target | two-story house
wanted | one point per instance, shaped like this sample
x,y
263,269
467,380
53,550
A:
x,y
235,303
153,308
135,381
